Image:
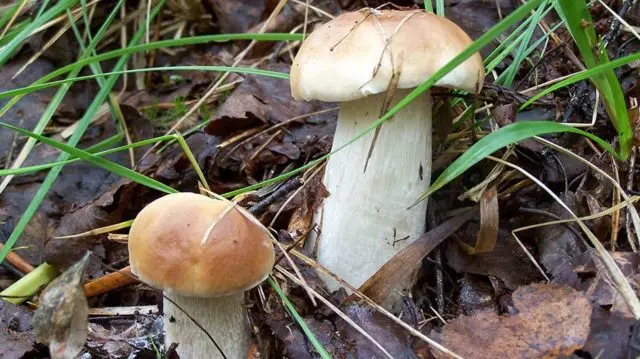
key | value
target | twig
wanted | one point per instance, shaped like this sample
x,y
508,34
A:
x,y
287,187
109,282
17,261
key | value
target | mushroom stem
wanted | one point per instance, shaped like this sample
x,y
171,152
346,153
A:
x,y
365,220
224,318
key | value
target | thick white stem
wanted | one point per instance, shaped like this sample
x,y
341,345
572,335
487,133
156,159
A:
x,y
365,220
223,317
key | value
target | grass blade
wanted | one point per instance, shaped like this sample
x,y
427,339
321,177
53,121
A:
x,y
96,160
9,49
580,25
583,75
505,136
440,7
83,124
239,70
475,46
305,328
92,150
507,77
55,101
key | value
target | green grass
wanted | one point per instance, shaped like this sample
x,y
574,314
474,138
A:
x,y
83,124
580,24
93,159
303,325
8,50
584,75
239,70
507,77
519,44
57,98
505,136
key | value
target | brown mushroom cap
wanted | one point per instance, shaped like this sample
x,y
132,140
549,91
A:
x,y
338,60
165,248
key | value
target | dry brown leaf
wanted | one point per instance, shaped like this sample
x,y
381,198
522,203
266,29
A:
x,y
489,221
61,320
379,286
553,321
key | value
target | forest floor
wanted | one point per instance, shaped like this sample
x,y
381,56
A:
x,y
488,285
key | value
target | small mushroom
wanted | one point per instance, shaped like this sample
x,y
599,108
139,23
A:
x,y
204,257
352,59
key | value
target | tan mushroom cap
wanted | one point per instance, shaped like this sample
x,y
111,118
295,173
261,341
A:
x,y
165,247
337,61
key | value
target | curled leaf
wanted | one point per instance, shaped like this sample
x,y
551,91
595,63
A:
x,y
61,320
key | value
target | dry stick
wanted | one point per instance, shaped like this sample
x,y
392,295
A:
x,y
317,10
109,282
17,261
632,165
301,278
45,47
13,18
615,217
292,278
223,77
620,282
620,19
269,129
550,82
373,304
315,170
126,311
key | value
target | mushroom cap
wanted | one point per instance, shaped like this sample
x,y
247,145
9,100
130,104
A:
x,y
165,248
345,59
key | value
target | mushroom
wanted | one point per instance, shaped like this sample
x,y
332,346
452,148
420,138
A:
x,y
204,255
352,60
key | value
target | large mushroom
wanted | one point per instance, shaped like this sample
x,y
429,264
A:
x,y
204,255
352,59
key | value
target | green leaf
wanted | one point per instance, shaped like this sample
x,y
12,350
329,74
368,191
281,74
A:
x,y
503,137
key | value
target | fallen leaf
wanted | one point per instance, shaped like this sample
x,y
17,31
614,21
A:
x,y
553,321
237,16
392,337
395,270
506,261
106,209
489,221
476,295
262,102
61,320
609,335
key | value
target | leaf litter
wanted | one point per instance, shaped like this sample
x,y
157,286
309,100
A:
x,y
489,303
